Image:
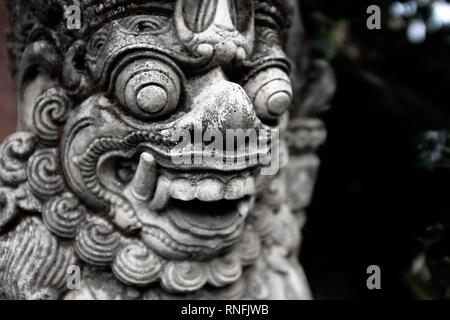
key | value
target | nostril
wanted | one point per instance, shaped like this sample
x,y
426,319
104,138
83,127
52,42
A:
x,y
278,103
271,93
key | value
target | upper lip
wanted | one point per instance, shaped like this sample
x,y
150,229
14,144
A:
x,y
220,161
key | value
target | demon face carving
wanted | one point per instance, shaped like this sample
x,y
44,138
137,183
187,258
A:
x,y
94,178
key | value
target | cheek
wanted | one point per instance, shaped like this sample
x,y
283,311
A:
x,y
86,133
117,169
73,145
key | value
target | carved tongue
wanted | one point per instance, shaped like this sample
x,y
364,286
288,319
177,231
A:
x,y
208,216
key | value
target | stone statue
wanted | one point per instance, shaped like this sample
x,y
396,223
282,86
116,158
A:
x,y
93,205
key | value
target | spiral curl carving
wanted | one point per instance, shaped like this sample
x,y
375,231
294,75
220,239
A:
x,y
96,242
186,276
44,173
50,112
135,264
63,215
14,152
225,270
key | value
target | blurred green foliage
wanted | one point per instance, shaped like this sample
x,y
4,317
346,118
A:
x,y
410,80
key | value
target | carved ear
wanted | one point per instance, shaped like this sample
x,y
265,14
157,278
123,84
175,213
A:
x,y
42,68
74,74
38,70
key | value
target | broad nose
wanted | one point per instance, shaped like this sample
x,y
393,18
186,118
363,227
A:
x,y
218,104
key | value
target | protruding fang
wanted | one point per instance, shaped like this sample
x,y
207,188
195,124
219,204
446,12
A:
x,y
162,194
243,208
144,181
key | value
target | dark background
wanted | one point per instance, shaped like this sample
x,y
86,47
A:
x,y
372,200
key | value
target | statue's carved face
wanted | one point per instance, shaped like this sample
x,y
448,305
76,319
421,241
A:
x,y
146,85
158,75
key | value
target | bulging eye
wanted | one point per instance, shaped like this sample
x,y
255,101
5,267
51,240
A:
x,y
149,88
271,93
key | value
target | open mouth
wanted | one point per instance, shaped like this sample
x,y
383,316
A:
x,y
199,193
196,229
207,204
193,228
200,212
209,218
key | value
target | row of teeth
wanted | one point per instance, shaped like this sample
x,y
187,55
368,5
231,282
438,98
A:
x,y
211,189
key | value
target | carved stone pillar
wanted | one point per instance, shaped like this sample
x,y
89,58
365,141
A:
x,y
93,179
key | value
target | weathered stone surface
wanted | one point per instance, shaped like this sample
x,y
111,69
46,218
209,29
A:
x,y
90,178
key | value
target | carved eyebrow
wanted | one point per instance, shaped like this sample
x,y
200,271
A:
x,y
124,8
